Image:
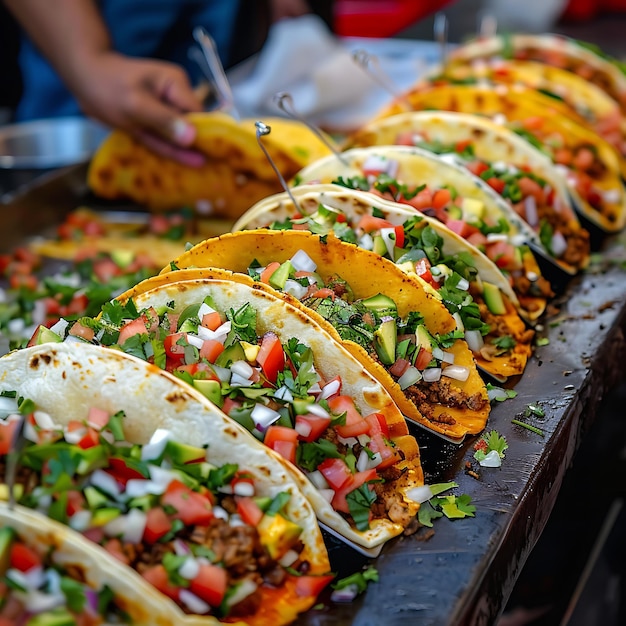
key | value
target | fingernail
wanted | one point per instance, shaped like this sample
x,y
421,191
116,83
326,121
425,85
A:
x,y
183,133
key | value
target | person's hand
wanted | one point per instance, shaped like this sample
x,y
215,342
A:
x,y
146,98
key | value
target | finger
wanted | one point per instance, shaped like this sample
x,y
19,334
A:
x,y
190,158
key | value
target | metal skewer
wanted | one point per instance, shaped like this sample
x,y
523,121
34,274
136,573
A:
x,y
284,100
13,457
213,69
262,130
371,65
440,29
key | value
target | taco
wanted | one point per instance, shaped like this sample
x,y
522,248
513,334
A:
x,y
51,575
236,173
578,57
588,104
471,287
591,166
132,460
428,184
521,174
403,336
273,369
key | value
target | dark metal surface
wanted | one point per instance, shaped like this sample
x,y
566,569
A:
x,y
465,572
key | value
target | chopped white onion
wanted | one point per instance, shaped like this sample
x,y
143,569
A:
x,y
135,526
16,326
330,389
318,409
364,462
181,548
327,494
530,209
463,284
35,577
366,241
189,569
432,374
195,340
239,381
193,602
492,459
30,434
558,244
347,441
295,289
156,446
235,520
220,513
289,558
410,376
459,321
243,590
263,416
378,163
283,393
80,521
243,488
317,478
612,196
347,594
474,340
161,476
419,494
389,237
139,487
301,261
363,439
40,602
458,372
219,334
303,428
105,482
243,369
204,309
8,405
496,393
43,420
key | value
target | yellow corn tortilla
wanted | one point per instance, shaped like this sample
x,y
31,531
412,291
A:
x,y
236,173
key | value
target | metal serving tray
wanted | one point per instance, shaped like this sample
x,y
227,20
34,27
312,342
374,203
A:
x,y
465,572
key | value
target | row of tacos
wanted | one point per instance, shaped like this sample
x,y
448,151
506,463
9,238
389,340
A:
x,y
184,447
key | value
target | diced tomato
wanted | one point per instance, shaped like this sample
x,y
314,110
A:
x,y
369,223
191,507
78,330
497,184
77,305
355,424
249,510
105,269
26,255
212,320
134,327
312,586
421,201
75,502
535,122
422,269
339,502
584,159
441,197
563,156
502,253
95,534
317,423
388,453
286,449
210,584
157,577
405,138
23,558
158,524
477,238
399,367
399,232
7,430
461,228
20,281
266,274
424,357
172,347
122,471
229,405
98,418
324,292
530,187
336,472
90,439
460,146
477,167
211,349
271,356
378,424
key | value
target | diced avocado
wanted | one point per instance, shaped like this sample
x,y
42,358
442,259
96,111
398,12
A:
x,y
381,304
251,350
190,325
473,210
199,471
55,617
44,335
230,355
95,498
385,339
422,338
7,535
91,459
493,299
145,503
18,492
210,389
407,266
122,258
280,276
103,516
182,453
455,212
380,247
189,312
301,406
278,534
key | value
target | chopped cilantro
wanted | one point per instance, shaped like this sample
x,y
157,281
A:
x,y
359,503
